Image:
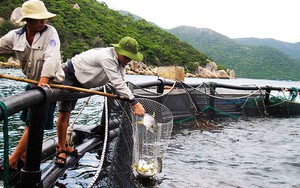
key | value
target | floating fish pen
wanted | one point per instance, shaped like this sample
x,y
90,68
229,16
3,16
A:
x,y
213,101
122,159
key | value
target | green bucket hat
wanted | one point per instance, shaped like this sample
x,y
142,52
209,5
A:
x,y
128,47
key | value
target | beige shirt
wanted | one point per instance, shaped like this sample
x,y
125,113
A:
x,y
97,67
41,59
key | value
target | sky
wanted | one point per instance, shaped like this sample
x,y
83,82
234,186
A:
x,y
277,19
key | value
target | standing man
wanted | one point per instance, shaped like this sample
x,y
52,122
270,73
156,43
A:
x,y
37,46
93,68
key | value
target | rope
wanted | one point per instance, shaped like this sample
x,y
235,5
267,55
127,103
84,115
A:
x,y
263,103
69,139
190,97
294,93
220,111
192,102
247,97
104,145
6,143
183,120
292,97
221,97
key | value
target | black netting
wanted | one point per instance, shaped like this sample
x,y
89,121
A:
x,y
117,170
206,101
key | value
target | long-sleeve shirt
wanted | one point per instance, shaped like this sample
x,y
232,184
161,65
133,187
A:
x,y
41,59
99,66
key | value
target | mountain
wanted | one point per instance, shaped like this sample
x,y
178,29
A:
x,y
291,49
249,61
93,24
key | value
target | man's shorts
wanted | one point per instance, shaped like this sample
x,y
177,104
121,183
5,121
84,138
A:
x,y
70,80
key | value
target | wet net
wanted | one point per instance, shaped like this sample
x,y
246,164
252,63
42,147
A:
x,y
151,134
130,141
205,102
116,170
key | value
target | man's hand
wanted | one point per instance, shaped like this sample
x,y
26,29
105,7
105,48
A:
x,y
138,109
44,82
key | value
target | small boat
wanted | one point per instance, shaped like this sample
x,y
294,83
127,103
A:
x,y
185,102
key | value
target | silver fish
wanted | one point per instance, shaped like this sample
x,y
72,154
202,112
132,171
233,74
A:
x,y
149,122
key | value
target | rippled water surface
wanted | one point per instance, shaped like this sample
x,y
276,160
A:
x,y
254,152
247,153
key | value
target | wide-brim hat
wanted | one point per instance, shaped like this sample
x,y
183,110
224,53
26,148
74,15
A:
x,y
35,9
128,47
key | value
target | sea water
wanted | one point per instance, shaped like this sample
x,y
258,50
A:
x,y
249,152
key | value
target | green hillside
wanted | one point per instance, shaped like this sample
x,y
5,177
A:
x,y
95,25
247,60
291,49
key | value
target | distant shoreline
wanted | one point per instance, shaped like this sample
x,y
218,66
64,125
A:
x,y
133,68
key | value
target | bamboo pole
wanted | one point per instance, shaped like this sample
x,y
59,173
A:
x,y
65,87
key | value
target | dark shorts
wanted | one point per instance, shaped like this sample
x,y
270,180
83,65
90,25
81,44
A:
x,y
50,117
70,80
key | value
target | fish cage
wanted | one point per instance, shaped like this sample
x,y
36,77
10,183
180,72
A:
x,y
151,134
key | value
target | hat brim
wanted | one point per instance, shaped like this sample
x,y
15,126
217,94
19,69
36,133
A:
x,y
136,57
39,16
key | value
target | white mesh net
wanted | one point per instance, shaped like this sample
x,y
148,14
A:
x,y
151,134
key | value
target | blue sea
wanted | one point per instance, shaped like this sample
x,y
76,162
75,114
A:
x,y
245,153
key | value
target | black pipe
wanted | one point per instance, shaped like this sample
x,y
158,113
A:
x,y
52,172
30,175
218,85
160,87
20,101
149,84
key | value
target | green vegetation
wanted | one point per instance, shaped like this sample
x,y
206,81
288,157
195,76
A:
x,y
248,61
291,49
94,25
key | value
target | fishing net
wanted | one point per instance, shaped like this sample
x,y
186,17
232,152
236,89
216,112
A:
x,y
151,134
124,150
116,170
205,102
